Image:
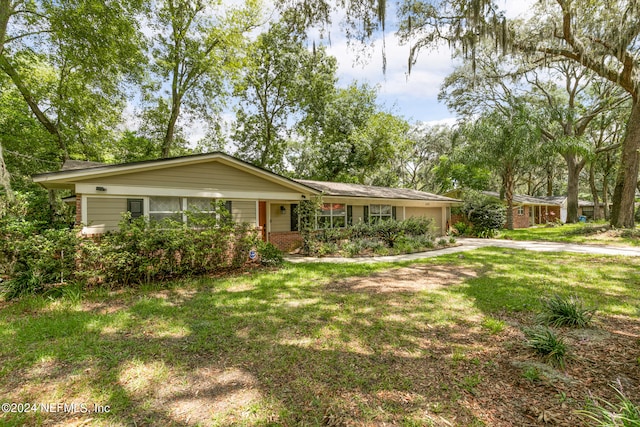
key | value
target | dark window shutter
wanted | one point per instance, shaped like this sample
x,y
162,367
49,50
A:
x,y
228,206
349,215
393,212
294,217
136,207
366,215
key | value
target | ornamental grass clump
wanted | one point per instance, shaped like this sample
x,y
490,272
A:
x,y
548,344
560,311
623,413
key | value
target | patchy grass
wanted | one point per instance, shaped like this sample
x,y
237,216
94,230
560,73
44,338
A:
x,y
598,233
437,342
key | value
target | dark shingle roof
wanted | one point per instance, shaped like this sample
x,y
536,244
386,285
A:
x,y
80,164
526,200
555,199
370,191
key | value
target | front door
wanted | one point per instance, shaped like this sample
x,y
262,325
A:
x,y
262,219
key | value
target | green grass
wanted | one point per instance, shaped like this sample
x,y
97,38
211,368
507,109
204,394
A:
x,y
589,233
289,346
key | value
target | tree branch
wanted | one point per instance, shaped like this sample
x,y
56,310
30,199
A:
x,y
33,33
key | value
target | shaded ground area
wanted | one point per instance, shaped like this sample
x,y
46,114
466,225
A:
x,y
437,343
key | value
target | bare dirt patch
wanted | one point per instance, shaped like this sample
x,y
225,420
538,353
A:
x,y
407,279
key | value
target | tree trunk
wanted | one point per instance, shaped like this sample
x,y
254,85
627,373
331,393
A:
x,y
605,198
594,191
605,187
573,169
622,212
167,143
550,181
6,10
508,190
5,178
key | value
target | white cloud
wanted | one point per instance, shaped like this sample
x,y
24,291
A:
x,y
405,92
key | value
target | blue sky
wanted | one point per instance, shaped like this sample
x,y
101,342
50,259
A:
x,y
414,96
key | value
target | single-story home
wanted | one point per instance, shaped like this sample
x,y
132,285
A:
x,y
585,207
157,189
527,210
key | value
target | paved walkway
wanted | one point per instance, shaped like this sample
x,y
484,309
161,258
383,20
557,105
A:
x,y
468,244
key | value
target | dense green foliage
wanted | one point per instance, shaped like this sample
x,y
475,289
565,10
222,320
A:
x,y
380,237
487,219
485,215
139,252
283,88
270,255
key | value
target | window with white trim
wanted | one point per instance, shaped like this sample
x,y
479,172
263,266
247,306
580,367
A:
x,y
161,207
165,207
332,215
520,210
200,204
380,212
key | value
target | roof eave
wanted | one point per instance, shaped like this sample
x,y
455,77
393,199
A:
x,y
67,179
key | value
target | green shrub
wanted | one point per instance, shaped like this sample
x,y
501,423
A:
x,y
559,311
462,228
382,250
270,255
331,235
406,244
548,344
442,242
40,260
388,231
487,219
323,249
353,248
623,413
138,252
418,226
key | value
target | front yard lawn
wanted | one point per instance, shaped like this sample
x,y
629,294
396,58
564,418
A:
x,y
598,233
438,342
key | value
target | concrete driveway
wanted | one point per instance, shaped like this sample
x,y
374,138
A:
x,y
468,244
